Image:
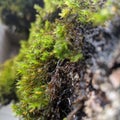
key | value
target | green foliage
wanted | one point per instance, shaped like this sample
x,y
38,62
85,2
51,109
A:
x,y
7,81
83,9
49,42
87,10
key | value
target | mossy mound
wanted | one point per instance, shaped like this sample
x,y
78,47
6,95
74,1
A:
x,y
53,75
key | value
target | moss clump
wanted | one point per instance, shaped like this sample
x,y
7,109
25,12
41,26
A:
x,y
7,82
53,38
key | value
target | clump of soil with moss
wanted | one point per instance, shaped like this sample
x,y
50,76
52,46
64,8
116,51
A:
x,y
69,67
89,88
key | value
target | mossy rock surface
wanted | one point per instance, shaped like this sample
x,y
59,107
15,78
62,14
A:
x,y
62,69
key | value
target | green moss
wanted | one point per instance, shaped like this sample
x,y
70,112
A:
x,y
7,81
49,42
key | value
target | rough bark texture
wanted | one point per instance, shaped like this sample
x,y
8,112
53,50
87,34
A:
x,y
90,88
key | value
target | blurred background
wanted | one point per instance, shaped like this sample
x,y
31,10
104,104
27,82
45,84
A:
x,y
16,17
